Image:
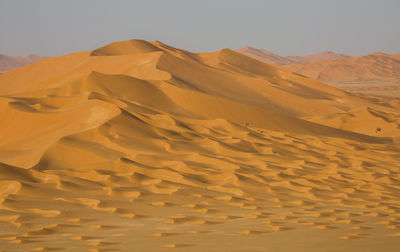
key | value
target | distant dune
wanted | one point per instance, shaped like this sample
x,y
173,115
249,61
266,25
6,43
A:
x,y
325,55
8,63
274,59
374,70
377,73
140,146
266,56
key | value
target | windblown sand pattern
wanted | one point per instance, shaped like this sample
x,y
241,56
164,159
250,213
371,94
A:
x,y
139,146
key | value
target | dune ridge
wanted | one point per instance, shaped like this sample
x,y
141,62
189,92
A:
x,y
141,146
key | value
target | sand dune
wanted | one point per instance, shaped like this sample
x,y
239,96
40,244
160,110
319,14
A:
x,y
373,67
266,56
139,146
373,73
377,73
325,55
8,63
275,59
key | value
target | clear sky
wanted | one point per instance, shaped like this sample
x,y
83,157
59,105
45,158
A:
x,y
286,27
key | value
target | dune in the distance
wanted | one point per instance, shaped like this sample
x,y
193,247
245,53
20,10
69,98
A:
x,y
139,146
377,73
275,59
374,67
8,63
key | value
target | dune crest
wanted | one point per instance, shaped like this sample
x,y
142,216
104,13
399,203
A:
x,y
141,146
134,46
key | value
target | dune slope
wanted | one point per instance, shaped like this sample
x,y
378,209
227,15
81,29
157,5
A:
x,y
139,146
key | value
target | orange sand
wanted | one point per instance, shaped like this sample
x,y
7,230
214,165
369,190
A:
x,y
139,146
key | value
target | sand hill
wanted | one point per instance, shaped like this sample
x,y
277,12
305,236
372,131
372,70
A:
x,y
325,55
139,146
266,56
275,59
8,63
376,73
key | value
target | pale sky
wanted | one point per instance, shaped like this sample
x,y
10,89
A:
x,y
285,27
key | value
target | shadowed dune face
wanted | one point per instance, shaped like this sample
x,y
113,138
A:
x,y
141,146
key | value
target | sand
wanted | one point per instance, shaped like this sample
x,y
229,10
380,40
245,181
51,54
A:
x,y
8,63
377,73
139,146
275,59
374,67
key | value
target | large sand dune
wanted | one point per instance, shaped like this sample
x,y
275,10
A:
x,y
139,146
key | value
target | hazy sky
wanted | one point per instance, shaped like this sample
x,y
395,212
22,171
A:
x,y
286,27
